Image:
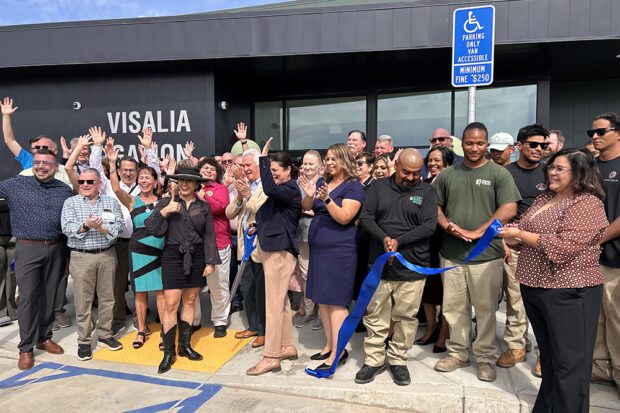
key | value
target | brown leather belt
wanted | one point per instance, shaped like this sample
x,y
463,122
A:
x,y
38,241
95,251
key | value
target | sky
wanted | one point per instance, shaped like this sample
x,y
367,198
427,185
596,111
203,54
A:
x,y
13,12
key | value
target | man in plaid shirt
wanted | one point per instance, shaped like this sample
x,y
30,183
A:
x,y
92,223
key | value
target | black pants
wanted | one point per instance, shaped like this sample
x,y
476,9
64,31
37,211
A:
x,y
564,322
253,290
38,269
8,308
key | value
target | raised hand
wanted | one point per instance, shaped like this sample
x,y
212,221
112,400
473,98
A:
x,y
174,206
237,171
188,149
109,144
111,153
98,135
66,151
7,106
267,146
147,138
241,132
308,186
93,222
172,165
82,141
142,153
322,193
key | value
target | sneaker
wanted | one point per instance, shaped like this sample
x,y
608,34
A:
x,y
528,345
601,380
117,330
486,372
511,357
400,375
304,321
55,326
62,320
110,343
5,320
84,352
450,363
367,373
318,324
220,331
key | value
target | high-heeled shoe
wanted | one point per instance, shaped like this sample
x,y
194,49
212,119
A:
x,y
343,359
433,338
320,356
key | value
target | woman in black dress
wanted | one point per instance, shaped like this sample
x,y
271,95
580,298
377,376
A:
x,y
190,254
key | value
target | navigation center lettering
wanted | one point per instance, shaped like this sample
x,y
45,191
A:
x,y
159,121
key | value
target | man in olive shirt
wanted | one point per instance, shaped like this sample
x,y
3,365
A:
x,y
471,195
400,214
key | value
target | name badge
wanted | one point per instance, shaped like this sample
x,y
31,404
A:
x,y
108,216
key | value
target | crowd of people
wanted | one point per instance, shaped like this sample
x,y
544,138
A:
x,y
176,229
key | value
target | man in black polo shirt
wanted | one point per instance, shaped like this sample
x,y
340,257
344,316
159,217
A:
x,y
36,204
529,176
605,134
400,214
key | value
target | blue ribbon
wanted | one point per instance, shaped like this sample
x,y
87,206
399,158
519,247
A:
x,y
248,245
371,282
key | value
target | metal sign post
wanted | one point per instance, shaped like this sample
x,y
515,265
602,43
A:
x,y
473,44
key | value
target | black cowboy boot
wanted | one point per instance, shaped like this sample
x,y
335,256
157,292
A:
x,y
170,354
185,349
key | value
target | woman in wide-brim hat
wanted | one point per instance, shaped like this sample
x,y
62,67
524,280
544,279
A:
x,y
190,255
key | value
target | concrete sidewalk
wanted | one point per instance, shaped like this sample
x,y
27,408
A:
x,y
289,390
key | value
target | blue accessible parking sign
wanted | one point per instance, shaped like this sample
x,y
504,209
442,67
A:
x,y
473,39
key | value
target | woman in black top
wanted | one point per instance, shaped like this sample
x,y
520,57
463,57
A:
x,y
190,254
277,221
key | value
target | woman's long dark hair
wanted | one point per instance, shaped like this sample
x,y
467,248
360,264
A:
x,y
586,176
285,160
446,154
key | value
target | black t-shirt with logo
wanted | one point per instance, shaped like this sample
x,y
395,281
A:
x,y
530,183
610,172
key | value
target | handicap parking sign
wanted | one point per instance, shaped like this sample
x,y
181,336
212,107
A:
x,y
473,41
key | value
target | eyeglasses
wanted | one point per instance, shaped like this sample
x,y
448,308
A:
x,y
43,163
37,147
557,169
87,181
599,131
360,163
534,145
227,162
439,139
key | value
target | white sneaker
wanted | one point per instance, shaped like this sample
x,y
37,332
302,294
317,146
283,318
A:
x,y
304,321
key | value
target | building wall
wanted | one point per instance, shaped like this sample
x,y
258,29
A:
x,y
575,104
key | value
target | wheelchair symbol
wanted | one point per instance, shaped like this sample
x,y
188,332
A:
x,y
471,21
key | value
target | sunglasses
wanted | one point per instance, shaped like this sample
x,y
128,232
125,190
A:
x,y
599,131
87,181
439,139
360,163
37,147
534,145
227,162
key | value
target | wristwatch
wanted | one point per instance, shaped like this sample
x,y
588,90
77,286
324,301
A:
x,y
327,201
85,228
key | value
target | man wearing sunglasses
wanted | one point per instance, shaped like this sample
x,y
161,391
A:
x,y
92,223
528,174
35,204
605,135
38,143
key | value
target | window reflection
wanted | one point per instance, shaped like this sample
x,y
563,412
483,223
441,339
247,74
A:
x,y
411,118
318,123
268,123
501,109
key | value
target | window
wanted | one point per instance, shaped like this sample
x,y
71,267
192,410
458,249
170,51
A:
x,y
318,123
268,123
501,109
411,118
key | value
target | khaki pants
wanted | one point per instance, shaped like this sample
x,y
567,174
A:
x,y
219,291
303,260
516,319
396,301
279,267
607,347
471,284
93,272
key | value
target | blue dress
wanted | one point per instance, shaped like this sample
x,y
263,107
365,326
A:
x,y
333,250
145,251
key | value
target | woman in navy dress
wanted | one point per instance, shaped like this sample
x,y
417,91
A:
x,y
332,239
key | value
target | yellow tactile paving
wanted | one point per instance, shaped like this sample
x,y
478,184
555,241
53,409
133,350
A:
x,y
216,352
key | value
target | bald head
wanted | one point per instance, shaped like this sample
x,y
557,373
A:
x,y
441,137
408,167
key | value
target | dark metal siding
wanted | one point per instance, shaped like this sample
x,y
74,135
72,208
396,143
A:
x,y
286,32
575,104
